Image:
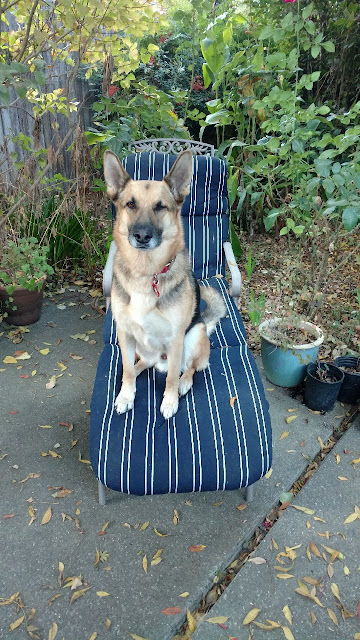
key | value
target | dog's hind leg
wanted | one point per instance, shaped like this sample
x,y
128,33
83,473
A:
x,y
196,356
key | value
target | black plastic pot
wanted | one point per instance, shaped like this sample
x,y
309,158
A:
x,y
350,388
319,394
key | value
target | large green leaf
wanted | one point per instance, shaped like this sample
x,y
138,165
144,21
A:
x,y
235,241
350,217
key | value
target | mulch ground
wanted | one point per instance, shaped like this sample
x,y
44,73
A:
x,y
282,273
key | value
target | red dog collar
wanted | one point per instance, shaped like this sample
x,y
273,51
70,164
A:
x,y
155,280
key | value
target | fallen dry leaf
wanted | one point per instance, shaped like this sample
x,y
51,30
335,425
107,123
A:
x,y
197,547
162,535
171,611
284,434
290,419
287,614
192,624
335,590
47,516
241,507
107,623
102,594
332,616
53,631
78,594
184,594
135,637
257,560
253,613
306,510
217,620
176,517
287,633
145,564
16,624
144,526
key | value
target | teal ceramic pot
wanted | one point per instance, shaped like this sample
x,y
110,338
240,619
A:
x,y
286,366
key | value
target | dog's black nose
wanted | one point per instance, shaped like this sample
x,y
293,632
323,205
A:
x,y
142,234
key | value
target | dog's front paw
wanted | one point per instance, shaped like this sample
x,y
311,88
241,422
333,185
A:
x,y
125,400
169,406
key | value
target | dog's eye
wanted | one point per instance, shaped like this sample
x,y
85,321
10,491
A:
x,y
159,206
131,204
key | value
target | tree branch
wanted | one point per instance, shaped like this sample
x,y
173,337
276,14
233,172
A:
x,y
27,34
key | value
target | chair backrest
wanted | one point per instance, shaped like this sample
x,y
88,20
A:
x,y
204,211
172,146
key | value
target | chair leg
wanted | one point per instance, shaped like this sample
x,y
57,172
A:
x,y
249,496
102,494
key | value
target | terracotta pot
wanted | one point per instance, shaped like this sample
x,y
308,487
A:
x,y
28,306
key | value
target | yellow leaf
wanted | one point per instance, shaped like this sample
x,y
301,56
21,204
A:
x,y
285,434
97,557
144,526
342,478
306,510
335,591
332,616
312,617
135,637
44,352
319,519
220,619
78,594
157,553
93,636
53,631
16,624
241,507
291,410
184,594
145,564
102,594
287,613
10,360
45,426
275,625
251,616
266,627
51,384
268,474
275,544
192,624
176,517
55,597
47,516
287,633
314,549
330,570
284,576
346,570
155,561
162,535
337,458
356,636
62,366
356,461
290,419
351,518
108,623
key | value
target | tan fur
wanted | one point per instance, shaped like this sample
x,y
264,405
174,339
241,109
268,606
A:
x,y
149,326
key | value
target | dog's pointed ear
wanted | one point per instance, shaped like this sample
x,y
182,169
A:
x,y
179,177
115,175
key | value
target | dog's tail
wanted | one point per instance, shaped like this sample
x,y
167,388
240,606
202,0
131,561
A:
x,y
215,308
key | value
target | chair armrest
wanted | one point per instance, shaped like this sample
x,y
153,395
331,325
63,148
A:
x,y
108,272
235,287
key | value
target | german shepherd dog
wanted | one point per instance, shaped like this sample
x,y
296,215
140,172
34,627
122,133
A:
x,y
155,298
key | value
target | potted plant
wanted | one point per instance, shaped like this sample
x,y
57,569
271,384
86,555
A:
x,y
350,388
322,385
23,270
287,347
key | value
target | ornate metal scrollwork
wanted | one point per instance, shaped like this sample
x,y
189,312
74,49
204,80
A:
x,y
172,146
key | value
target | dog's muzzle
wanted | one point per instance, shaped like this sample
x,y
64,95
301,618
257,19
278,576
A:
x,y
144,236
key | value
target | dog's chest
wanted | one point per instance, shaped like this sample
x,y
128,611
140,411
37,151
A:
x,y
143,314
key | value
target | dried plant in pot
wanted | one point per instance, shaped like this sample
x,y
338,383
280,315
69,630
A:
x,y
323,383
23,271
287,347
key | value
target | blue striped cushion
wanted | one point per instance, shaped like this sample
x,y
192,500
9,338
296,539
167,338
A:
x,y
204,211
230,332
209,445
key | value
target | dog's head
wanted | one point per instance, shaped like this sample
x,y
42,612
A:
x,y
148,211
